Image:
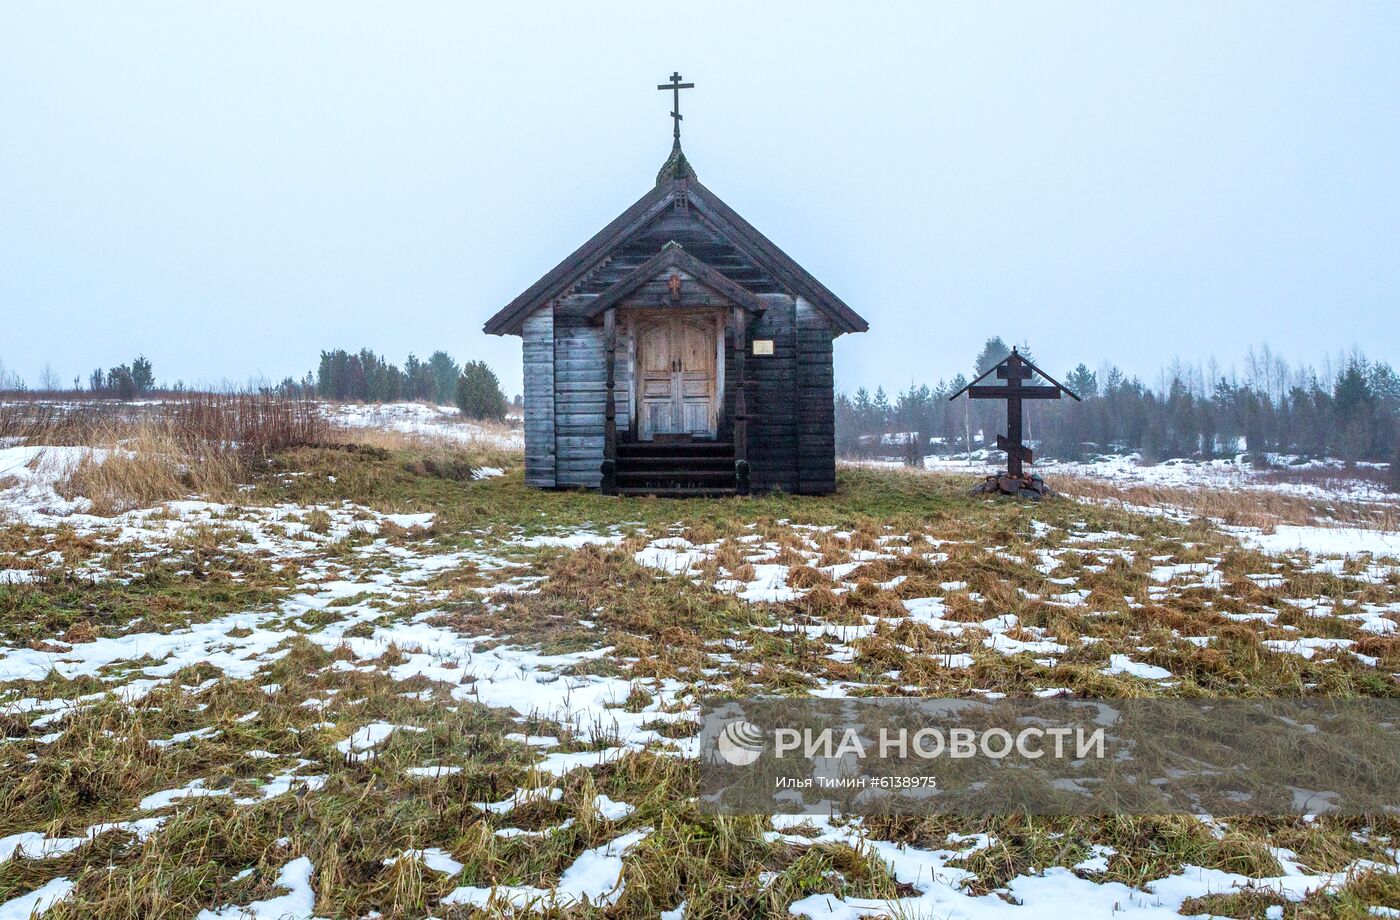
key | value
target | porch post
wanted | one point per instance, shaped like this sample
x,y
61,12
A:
x,y
609,469
741,403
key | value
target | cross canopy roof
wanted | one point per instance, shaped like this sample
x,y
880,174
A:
x,y
1015,367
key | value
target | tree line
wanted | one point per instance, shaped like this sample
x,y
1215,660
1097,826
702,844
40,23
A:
x,y
361,376
125,381
1350,411
365,376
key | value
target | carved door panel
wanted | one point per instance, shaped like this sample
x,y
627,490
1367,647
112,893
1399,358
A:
x,y
656,397
676,377
695,360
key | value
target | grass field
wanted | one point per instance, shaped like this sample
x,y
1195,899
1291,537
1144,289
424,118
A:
x,y
378,679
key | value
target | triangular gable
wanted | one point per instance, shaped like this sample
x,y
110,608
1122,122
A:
x,y
563,276
744,235
673,257
734,230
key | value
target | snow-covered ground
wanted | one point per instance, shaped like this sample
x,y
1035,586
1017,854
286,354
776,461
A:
x,y
1326,483
1328,479
380,595
480,669
424,420
28,475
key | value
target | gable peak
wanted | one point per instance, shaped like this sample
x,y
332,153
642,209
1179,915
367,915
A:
x,y
676,167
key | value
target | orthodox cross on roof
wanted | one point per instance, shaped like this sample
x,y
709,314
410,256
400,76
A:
x,y
675,86
1014,369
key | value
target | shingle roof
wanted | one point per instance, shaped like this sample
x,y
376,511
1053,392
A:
x,y
679,208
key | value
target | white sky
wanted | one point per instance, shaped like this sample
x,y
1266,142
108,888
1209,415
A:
x,y
232,187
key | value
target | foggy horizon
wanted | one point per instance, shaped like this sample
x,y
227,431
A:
x,y
1205,371
230,191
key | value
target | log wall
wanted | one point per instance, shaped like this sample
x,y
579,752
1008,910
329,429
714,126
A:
x,y
580,379
816,439
538,349
791,414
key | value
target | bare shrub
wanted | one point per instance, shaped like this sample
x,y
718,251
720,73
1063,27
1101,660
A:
x,y
251,423
200,443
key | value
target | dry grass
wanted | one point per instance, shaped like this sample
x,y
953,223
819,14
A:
x,y
252,423
151,464
489,437
1246,508
202,444
101,764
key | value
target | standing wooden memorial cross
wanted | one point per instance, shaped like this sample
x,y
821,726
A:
x,y
1015,370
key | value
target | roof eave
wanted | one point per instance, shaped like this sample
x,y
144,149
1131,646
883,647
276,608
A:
x,y
510,318
782,264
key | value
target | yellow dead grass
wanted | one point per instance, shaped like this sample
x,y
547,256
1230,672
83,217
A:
x,y
148,464
1243,507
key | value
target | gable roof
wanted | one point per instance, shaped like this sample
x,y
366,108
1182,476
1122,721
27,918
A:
x,y
740,252
673,255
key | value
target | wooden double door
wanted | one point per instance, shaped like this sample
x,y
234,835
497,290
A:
x,y
677,376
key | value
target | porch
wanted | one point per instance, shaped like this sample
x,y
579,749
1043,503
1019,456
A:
x,y
679,426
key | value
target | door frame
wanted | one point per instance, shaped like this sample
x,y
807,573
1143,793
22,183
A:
x,y
635,320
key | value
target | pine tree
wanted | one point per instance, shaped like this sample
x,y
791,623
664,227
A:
x,y
142,375
445,372
479,393
418,380
1083,381
120,383
881,409
1354,403
991,355
333,375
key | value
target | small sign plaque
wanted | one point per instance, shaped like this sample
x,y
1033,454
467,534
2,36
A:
x,y
763,346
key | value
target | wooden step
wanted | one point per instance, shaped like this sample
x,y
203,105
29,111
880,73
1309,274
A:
x,y
675,448
675,469
630,475
673,492
664,465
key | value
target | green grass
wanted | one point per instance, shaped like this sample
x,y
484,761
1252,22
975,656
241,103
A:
x,y
154,596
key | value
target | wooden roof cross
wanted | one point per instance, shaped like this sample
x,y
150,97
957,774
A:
x,y
675,86
1014,369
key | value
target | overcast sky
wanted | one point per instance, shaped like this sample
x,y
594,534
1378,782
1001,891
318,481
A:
x,y
231,187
